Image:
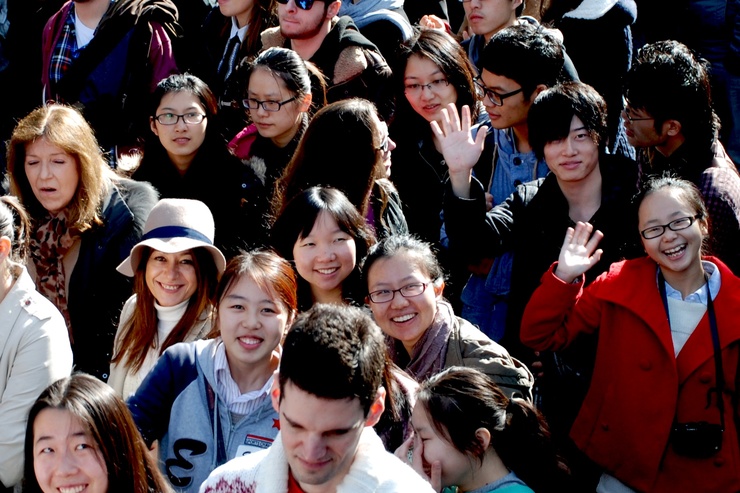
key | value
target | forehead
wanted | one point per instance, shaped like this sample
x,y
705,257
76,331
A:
x,y
264,79
403,264
419,66
495,81
53,422
42,145
317,414
180,99
665,201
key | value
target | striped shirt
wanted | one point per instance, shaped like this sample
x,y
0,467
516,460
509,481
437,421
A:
x,y
228,390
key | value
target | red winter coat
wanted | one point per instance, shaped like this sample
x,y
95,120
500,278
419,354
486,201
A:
x,y
638,386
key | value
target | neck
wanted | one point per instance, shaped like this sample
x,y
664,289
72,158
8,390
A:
x,y
670,145
306,48
243,18
521,137
90,13
512,20
583,196
181,163
490,471
252,376
687,281
334,296
283,140
7,281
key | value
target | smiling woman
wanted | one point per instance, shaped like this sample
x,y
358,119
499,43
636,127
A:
x,y
83,218
175,269
208,401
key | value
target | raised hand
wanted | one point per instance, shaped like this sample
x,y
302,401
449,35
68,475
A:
x,y
411,452
579,252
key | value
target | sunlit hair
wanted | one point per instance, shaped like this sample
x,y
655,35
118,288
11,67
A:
x,y
127,459
15,224
552,113
139,333
65,128
420,251
334,352
299,218
459,401
349,129
442,49
269,271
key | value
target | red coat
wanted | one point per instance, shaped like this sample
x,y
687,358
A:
x,y
626,418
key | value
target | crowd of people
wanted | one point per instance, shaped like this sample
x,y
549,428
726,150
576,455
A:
x,y
325,246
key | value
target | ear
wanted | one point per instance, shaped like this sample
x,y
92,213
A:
x,y
333,9
516,3
671,128
438,289
376,408
153,126
306,103
275,392
537,91
484,437
5,248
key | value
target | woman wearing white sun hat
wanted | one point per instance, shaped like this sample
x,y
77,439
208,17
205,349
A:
x,y
175,268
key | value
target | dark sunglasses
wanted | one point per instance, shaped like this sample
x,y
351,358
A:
x,y
301,4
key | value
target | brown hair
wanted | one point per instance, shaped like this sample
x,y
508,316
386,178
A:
x,y
65,128
139,332
130,467
271,272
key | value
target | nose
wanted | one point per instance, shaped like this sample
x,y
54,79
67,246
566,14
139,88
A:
x,y
172,270
45,171
291,6
314,448
327,254
66,464
568,148
426,92
391,144
398,300
180,124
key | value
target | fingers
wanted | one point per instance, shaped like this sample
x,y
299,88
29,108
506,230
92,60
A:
x,y
480,138
403,450
594,241
569,233
436,130
436,476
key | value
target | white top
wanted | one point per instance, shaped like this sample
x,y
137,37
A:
x,y
83,33
241,404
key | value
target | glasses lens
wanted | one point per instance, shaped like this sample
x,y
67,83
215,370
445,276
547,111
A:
x,y
304,4
682,223
193,118
381,296
271,106
413,289
651,233
167,119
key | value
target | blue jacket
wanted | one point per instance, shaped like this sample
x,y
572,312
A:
x,y
178,404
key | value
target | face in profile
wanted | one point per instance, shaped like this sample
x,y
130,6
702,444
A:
x,y
66,458
320,436
325,258
52,173
171,277
405,318
180,139
252,321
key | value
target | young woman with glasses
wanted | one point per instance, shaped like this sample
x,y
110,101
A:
x,y
185,156
404,284
661,413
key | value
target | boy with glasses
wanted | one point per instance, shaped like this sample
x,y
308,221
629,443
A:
x,y
669,114
352,65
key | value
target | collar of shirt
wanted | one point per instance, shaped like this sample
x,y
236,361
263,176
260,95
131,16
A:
x,y
228,388
238,31
700,295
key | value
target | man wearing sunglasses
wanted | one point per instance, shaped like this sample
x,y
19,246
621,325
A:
x,y
352,64
668,112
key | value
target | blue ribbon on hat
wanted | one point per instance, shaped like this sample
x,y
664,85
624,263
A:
x,y
176,232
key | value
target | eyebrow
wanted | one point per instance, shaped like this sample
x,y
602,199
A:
x,y
579,129
324,432
44,438
240,297
677,214
433,74
189,108
403,280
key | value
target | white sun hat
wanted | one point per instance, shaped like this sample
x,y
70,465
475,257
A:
x,y
173,226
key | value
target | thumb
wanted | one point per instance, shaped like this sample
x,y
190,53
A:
x,y
435,476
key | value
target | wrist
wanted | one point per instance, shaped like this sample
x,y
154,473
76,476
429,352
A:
x,y
461,184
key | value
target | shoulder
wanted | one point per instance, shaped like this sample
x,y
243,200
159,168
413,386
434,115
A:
x,y
236,476
140,197
351,62
34,304
272,37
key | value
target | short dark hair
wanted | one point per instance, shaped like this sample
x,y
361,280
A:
x,y
526,54
334,352
670,82
551,114
394,244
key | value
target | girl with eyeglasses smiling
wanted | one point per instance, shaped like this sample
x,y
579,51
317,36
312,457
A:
x,y
186,157
404,284
659,415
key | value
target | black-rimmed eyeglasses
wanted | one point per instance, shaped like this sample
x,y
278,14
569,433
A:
x,y
407,291
271,106
172,119
675,225
495,98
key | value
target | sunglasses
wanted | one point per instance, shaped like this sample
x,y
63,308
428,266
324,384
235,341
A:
x,y
301,4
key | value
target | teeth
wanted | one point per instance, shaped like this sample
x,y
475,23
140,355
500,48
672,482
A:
x,y
674,251
72,489
403,318
170,287
328,271
249,340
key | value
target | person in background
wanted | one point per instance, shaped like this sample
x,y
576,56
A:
x,y
186,157
321,233
668,348
108,57
328,394
175,269
85,220
35,345
80,432
208,401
